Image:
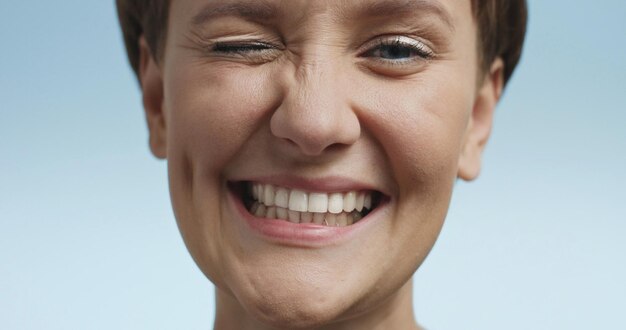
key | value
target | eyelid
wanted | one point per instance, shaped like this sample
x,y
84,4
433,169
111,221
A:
x,y
241,47
252,50
208,44
247,41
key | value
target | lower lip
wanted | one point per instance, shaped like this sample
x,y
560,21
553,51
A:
x,y
303,235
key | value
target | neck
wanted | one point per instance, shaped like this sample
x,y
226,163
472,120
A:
x,y
394,313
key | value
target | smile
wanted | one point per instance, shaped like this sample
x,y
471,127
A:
x,y
334,209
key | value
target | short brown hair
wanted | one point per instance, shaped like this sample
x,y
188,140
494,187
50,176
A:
x,y
501,29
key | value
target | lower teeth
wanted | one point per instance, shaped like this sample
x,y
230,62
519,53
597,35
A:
x,y
326,219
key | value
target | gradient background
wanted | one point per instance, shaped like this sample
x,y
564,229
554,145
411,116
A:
x,y
88,239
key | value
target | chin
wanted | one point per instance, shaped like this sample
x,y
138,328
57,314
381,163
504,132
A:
x,y
305,313
296,302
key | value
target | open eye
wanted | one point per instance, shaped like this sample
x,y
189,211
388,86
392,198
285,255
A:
x,y
398,50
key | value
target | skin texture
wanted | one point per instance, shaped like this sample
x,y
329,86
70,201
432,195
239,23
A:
x,y
322,103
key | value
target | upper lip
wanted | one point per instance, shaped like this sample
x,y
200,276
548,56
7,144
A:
x,y
327,184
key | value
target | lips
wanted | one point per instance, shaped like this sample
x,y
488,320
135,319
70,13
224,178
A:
x,y
299,206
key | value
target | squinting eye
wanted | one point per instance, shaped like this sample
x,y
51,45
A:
x,y
253,52
241,48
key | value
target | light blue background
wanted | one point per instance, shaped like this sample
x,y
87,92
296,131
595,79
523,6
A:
x,y
88,239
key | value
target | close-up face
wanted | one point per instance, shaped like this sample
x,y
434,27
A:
x,y
313,146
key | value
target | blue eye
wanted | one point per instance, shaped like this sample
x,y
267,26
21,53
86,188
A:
x,y
399,50
395,52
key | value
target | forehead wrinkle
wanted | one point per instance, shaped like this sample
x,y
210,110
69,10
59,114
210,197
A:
x,y
254,10
271,10
395,8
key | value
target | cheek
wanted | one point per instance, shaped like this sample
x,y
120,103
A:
x,y
420,125
211,112
214,109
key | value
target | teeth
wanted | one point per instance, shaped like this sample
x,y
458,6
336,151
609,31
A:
x,y
298,201
259,193
318,202
342,219
318,218
306,217
260,211
281,213
282,198
360,199
254,208
326,219
349,201
367,201
294,216
255,192
314,202
271,212
350,219
331,219
268,195
335,203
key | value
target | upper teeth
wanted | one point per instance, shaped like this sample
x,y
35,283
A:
x,y
301,201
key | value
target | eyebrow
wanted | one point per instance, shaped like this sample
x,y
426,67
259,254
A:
x,y
255,10
263,10
403,8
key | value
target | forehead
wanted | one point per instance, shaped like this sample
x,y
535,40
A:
x,y
449,13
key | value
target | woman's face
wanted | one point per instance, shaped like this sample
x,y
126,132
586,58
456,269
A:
x,y
312,146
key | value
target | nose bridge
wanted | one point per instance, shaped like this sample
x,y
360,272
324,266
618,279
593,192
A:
x,y
315,112
314,92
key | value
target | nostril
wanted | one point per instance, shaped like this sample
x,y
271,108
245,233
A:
x,y
316,123
311,147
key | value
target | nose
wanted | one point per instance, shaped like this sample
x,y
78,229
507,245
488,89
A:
x,y
316,114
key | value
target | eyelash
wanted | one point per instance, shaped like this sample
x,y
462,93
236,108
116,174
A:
x,y
241,48
417,50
